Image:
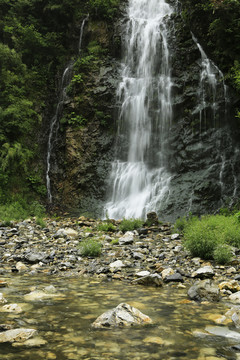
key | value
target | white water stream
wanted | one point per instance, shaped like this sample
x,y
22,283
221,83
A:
x,y
54,125
211,85
139,180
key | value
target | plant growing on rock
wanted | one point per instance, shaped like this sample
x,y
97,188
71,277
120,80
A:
x,y
90,247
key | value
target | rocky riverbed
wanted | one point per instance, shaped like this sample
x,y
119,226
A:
x,y
150,265
152,255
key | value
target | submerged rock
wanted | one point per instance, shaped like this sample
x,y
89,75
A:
x,y
121,316
16,335
149,280
204,290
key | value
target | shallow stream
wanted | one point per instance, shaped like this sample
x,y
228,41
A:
x,y
64,322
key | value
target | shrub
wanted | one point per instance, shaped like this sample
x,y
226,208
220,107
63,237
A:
x,y
90,247
106,226
40,222
130,224
222,254
180,224
211,235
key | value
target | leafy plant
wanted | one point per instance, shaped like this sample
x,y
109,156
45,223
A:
x,y
210,236
222,254
106,226
130,224
90,247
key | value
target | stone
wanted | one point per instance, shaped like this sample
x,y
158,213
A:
x,y
11,308
167,272
71,233
16,335
235,297
204,272
35,342
127,238
123,315
149,280
39,295
175,236
231,285
152,219
204,290
2,299
21,266
174,278
116,265
223,331
143,273
34,257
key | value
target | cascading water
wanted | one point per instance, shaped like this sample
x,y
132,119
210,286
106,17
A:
x,y
54,125
139,178
211,88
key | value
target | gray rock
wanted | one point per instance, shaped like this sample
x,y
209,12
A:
x,y
127,238
204,290
33,257
204,272
16,335
223,331
123,315
174,278
149,280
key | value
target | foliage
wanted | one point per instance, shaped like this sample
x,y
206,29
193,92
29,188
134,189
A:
x,y
40,222
222,254
210,236
90,247
20,210
104,9
106,226
130,224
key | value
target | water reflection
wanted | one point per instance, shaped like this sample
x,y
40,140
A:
x,y
65,322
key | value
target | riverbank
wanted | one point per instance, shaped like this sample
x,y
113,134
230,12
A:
x,y
152,255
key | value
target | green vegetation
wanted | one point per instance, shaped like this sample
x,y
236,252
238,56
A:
x,y
106,226
90,247
216,24
20,210
211,237
104,9
130,224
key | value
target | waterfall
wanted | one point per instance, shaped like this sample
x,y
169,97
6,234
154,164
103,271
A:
x,y
211,87
139,179
54,124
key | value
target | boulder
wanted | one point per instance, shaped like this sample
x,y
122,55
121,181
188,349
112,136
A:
x,y
231,285
16,335
167,272
204,290
223,331
174,278
149,280
204,272
127,238
116,265
235,297
11,308
123,315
